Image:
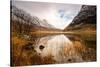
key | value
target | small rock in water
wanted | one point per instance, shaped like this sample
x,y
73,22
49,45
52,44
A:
x,y
41,47
69,60
28,46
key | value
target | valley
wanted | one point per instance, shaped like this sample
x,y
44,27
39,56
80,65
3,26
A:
x,y
34,41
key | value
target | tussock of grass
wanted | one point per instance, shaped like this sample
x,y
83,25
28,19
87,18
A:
x,y
23,53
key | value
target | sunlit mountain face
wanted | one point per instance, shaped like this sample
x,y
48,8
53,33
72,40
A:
x,y
58,15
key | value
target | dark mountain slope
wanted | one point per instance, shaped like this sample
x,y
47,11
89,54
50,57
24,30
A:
x,y
86,19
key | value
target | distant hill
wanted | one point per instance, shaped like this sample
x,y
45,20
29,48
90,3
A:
x,y
23,22
85,20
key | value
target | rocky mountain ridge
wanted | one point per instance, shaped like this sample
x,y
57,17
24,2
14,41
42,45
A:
x,y
85,18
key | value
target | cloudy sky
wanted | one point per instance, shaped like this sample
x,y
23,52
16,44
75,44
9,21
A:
x,y
58,15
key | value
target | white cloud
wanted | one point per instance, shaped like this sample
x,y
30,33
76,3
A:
x,y
59,15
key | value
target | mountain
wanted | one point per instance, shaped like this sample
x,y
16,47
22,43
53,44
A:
x,y
85,19
21,22
45,23
42,23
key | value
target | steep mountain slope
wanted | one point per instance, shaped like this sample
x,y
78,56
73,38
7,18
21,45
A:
x,y
85,20
24,22
44,23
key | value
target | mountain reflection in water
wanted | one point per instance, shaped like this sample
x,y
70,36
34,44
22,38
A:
x,y
62,49
53,49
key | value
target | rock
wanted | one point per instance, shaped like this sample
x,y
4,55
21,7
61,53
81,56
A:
x,y
87,15
41,47
28,46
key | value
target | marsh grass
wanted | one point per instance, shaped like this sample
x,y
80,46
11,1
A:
x,y
23,53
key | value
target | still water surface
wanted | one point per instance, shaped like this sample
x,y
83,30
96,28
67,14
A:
x,y
66,48
55,49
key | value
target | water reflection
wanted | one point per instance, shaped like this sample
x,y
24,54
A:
x,y
62,49
59,47
53,49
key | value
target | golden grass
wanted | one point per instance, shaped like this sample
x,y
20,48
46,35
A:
x,y
88,54
21,56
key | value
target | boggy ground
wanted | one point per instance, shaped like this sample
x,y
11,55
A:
x,y
23,51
